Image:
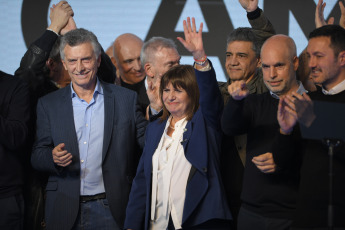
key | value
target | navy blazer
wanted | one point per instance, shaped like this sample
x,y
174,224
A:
x,y
124,128
205,198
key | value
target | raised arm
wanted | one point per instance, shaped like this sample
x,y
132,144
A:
x,y
211,102
32,65
257,18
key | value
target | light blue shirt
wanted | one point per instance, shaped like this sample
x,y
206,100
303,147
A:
x,y
89,125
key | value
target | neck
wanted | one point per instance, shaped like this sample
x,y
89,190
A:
x,y
84,93
334,82
132,82
175,119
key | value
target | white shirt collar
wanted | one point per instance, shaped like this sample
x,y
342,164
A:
x,y
335,90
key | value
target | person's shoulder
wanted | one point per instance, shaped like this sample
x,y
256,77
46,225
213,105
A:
x,y
116,89
57,94
9,82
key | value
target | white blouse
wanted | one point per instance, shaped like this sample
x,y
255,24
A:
x,y
170,171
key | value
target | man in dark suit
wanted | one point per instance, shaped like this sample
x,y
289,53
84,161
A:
x,y
86,139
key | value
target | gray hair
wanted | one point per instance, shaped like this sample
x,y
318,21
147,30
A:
x,y
248,35
152,46
77,37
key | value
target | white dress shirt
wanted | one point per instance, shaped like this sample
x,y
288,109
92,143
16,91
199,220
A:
x,y
169,178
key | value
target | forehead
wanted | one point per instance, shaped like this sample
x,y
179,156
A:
x,y
270,55
164,55
319,44
129,48
240,47
79,51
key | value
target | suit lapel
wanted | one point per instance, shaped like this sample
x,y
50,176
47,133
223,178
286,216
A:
x,y
155,138
72,139
109,117
195,148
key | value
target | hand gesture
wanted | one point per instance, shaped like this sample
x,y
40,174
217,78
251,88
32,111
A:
x,y
319,17
238,90
60,156
69,26
193,39
342,17
153,95
59,16
265,163
249,5
304,109
286,115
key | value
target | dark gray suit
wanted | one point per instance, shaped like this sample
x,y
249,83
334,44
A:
x,y
124,128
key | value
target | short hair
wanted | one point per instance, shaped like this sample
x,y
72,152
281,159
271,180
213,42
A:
x,y
54,54
181,76
55,51
77,37
247,34
336,34
152,46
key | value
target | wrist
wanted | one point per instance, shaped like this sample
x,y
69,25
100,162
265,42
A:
x,y
55,29
199,55
285,132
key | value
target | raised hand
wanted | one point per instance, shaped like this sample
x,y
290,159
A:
x,y
69,26
193,39
153,95
286,115
249,5
342,17
60,156
238,90
304,109
265,163
59,16
319,16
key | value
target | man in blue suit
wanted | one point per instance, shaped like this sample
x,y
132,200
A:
x,y
86,140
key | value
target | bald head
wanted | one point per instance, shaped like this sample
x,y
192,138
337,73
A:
x,y
280,42
279,64
127,48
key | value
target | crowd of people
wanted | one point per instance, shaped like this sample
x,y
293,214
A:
x,y
128,138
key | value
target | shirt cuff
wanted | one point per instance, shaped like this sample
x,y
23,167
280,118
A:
x,y
254,14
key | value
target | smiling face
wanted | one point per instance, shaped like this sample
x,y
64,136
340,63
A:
x,y
324,65
176,101
81,63
127,58
241,62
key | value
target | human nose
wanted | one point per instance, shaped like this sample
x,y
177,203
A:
x,y
273,72
311,62
233,60
171,96
137,65
80,66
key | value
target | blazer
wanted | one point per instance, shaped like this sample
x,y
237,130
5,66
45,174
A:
x,y
124,128
205,199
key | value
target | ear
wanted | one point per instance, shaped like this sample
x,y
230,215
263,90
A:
x,y
99,59
50,64
295,63
149,70
258,64
113,61
64,64
341,58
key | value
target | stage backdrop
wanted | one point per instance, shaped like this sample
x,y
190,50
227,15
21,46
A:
x,y
21,22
